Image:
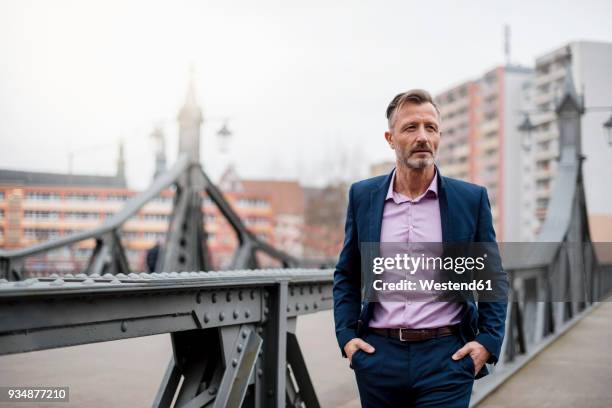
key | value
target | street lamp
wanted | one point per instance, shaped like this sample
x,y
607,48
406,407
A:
x,y
224,135
608,128
525,128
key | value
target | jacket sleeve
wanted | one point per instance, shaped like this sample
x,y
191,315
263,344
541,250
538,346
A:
x,y
492,312
347,281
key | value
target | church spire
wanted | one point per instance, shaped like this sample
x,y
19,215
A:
x,y
190,119
121,161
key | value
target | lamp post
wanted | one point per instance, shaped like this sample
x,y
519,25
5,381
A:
x,y
608,129
525,128
224,135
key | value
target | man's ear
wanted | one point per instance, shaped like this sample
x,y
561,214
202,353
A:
x,y
389,138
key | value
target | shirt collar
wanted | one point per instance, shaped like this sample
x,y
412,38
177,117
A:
x,y
399,198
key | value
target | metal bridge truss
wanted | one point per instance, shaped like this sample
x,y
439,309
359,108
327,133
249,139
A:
x,y
186,248
233,333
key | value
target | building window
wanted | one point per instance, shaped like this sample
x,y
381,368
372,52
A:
x,y
41,234
162,200
542,202
130,235
82,197
117,197
156,217
40,196
40,215
152,235
81,215
251,202
255,221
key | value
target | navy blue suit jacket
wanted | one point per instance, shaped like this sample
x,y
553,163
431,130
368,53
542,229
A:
x,y
465,216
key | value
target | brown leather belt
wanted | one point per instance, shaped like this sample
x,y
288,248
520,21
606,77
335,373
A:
x,y
416,334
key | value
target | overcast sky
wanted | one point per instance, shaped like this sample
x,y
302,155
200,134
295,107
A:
x,y
305,85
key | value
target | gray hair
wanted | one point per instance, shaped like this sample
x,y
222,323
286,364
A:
x,y
416,96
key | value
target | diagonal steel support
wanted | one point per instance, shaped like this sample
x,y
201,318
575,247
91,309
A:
x,y
186,248
238,372
305,390
108,256
167,388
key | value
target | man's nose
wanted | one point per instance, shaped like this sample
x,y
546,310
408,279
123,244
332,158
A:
x,y
421,135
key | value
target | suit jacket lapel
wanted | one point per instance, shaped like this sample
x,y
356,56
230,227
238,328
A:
x,y
446,218
377,206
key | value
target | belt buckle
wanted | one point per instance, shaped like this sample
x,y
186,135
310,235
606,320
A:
x,y
401,336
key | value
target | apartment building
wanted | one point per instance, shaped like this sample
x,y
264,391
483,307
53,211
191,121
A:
x,y
35,207
481,143
590,64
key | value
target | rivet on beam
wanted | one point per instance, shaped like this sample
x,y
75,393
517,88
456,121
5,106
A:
x,y
236,314
206,318
221,316
123,326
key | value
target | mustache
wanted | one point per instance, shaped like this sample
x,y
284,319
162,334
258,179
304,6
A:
x,y
422,148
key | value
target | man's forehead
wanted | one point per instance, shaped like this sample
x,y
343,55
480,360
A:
x,y
411,111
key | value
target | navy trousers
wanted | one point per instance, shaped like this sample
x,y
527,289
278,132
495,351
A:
x,y
413,374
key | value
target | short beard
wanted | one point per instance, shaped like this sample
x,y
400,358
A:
x,y
417,164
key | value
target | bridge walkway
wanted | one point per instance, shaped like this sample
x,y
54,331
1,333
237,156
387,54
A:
x,y
574,371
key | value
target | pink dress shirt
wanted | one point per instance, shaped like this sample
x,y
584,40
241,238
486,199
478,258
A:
x,y
409,221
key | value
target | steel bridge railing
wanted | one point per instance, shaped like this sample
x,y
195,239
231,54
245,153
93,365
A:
x,y
233,332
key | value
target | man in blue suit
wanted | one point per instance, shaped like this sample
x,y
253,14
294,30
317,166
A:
x,y
418,354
